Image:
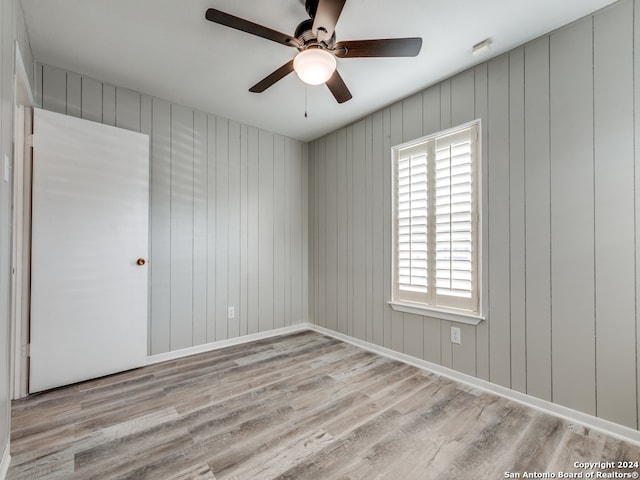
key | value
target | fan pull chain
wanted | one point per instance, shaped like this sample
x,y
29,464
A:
x,y
306,101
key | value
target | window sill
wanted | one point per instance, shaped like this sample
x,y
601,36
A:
x,y
468,318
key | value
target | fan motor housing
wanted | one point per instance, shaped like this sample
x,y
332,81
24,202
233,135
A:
x,y
304,33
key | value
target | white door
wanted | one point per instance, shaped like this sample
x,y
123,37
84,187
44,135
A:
x,y
90,228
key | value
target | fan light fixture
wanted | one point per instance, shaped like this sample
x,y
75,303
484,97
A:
x,y
314,66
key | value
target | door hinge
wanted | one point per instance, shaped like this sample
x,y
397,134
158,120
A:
x,y
29,140
26,350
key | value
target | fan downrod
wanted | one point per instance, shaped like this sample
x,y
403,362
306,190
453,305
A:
x,y
311,6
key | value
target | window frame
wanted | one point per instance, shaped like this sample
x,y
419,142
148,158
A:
x,y
410,304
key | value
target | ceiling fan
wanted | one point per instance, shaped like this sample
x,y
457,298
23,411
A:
x,y
315,39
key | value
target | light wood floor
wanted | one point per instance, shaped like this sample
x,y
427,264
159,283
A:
x,y
302,406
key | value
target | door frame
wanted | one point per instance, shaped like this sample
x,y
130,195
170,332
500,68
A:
x,y
21,229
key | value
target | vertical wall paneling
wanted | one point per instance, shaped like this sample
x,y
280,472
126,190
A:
x,y
614,215
368,155
413,335
412,118
321,198
287,267
253,228
314,237
343,231
295,206
108,104
445,105
91,101
233,235
350,231
517,221
432,339
463,356
482,112
200,176
54,89
498,222
359,232
379,255
278,231
319,243
395,136
305,229
74,94
572,216
331,227
397,331
446,348
212,286
537,219
243,317
294,226
313,233
463,98
386,225
181,227
160,254
222,228
431,110
127,109
266,227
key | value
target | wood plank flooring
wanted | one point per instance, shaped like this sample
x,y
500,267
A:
x,y
301,406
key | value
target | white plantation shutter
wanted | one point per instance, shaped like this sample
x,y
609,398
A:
x,y
436,237
412,189
455,213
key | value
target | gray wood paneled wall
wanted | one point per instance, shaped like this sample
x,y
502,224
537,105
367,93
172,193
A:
x,y
561,206
12,30
228,213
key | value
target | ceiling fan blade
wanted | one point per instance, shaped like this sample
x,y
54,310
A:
x,y
388,47
338,88
324,22
222,18
279,74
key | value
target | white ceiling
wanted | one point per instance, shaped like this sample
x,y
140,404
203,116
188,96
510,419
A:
x,y
166,48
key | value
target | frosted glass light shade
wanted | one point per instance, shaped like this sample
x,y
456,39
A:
x,y
314,66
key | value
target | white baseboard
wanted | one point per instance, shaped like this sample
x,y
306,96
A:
x,y
573,416
4,462
208,347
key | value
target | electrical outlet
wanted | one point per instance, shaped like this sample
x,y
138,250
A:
x,y
231,312
455,335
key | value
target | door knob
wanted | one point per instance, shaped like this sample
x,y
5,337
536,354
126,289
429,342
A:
x,y
141,261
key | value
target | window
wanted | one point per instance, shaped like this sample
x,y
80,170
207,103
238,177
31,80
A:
x,y
436,254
